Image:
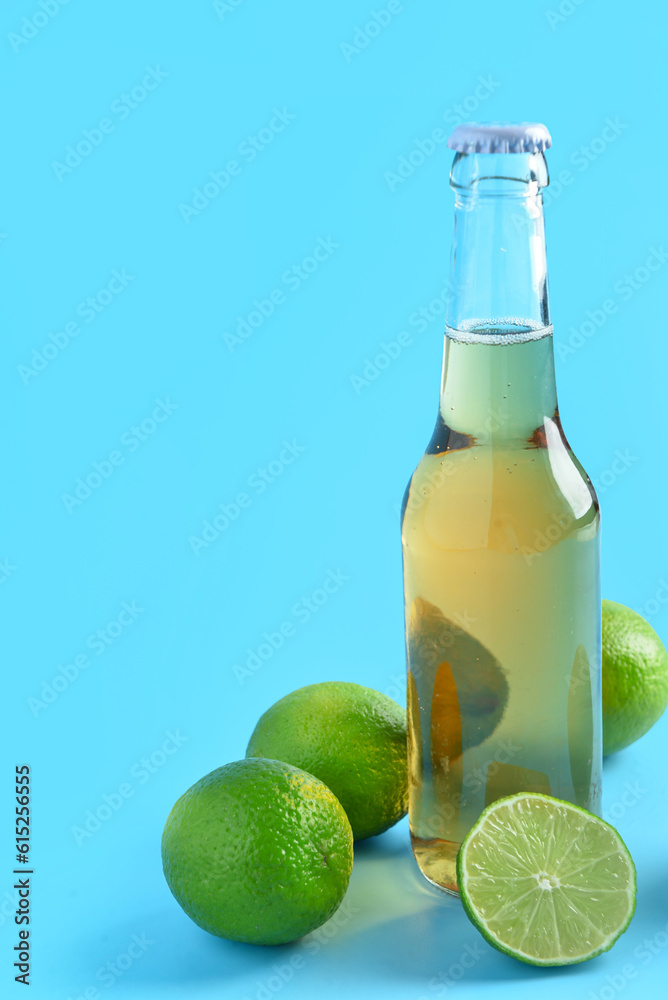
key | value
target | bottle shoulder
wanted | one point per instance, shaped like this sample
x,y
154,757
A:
x,y
505,486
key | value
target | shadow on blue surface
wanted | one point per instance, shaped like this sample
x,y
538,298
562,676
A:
x,y
392,928
652,898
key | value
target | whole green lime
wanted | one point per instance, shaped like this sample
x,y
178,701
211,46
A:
x,y
258,851
351,737
635,677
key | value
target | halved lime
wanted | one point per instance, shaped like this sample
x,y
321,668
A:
x,y
546,881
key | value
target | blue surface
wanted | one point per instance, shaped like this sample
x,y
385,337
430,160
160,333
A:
x,y
324,177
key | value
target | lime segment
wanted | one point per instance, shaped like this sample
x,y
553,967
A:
x,y
545,881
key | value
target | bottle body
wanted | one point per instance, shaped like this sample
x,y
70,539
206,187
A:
x,y
500,532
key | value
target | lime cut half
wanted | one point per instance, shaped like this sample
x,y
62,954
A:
x,y
545,881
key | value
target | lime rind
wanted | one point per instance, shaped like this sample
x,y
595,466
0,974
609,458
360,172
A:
x,y
556,917
352,738
258,851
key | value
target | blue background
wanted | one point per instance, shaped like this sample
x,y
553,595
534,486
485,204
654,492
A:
x,y
334,508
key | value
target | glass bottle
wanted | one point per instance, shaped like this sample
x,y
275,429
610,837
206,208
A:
x,y
500,529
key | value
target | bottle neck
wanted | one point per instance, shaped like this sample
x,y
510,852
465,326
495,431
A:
x,y
498,393
498,270
498,368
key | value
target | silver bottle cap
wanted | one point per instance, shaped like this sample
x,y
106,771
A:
x,y
500,137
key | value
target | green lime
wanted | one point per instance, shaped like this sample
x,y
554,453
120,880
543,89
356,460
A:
x,y
258,851
635,677
351,737
545,881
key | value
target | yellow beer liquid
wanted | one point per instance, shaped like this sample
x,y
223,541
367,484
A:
x,y
502,596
